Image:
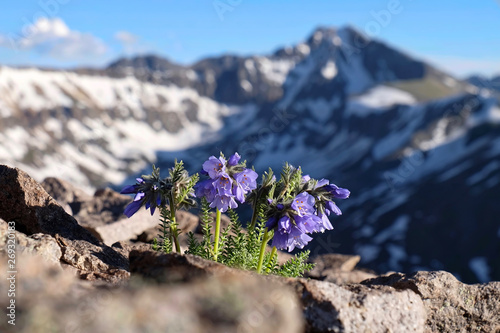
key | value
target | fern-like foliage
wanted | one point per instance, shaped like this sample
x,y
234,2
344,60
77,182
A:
x,y
164,235
239,248
296,266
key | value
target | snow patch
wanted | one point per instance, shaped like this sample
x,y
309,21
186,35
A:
x,y
329,71
381,97
303,49
275,71
246,85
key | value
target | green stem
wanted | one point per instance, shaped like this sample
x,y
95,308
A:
x,y
262,251
255,212
173,231
173,224
273,253
217,234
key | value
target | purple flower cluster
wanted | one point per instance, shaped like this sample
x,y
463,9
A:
x,y
228,182
303,217
145,193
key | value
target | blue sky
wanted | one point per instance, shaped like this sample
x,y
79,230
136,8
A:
x,y
459,36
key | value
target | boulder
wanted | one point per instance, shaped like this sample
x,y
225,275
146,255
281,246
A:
x,y
34,211
50,299
451,306
328,307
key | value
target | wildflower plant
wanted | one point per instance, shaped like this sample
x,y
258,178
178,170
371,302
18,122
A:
x,y
286,212
168,195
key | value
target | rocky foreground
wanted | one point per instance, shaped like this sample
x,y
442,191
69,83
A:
x,y
81,266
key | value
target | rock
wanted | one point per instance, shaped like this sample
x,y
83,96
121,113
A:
x,y
53,300
328,307
125,247
451,305
338,268
25,202
175,267
40,244
65,193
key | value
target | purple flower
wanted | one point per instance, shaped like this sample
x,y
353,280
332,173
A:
x,y
146,193
206,189
223,202
332,207
280,240
303,204
233,160
132,188
271,222
288,235
132,208
325,222
309,223
224,185
215,166
322,182
245,181
129,189
298,239
338,192
285,225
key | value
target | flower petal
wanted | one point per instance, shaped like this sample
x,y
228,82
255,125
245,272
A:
x,y
129,189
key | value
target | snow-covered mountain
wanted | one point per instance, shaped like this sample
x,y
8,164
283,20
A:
x,y
417,148
492,84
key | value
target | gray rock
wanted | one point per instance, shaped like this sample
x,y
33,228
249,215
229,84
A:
x,y
451,305
328,307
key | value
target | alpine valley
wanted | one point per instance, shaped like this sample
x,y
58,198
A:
x,y
418,149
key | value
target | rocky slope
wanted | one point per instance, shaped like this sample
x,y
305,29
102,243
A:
x,y
416,147
485,83
85,285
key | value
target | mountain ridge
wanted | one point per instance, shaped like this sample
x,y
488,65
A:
x,y
371,119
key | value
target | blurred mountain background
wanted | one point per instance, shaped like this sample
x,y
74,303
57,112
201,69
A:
x,y
417,146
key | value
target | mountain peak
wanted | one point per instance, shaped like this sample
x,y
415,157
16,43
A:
x,y
149,61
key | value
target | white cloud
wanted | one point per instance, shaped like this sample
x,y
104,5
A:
x,y
131,44
54,38
125,37
463,67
